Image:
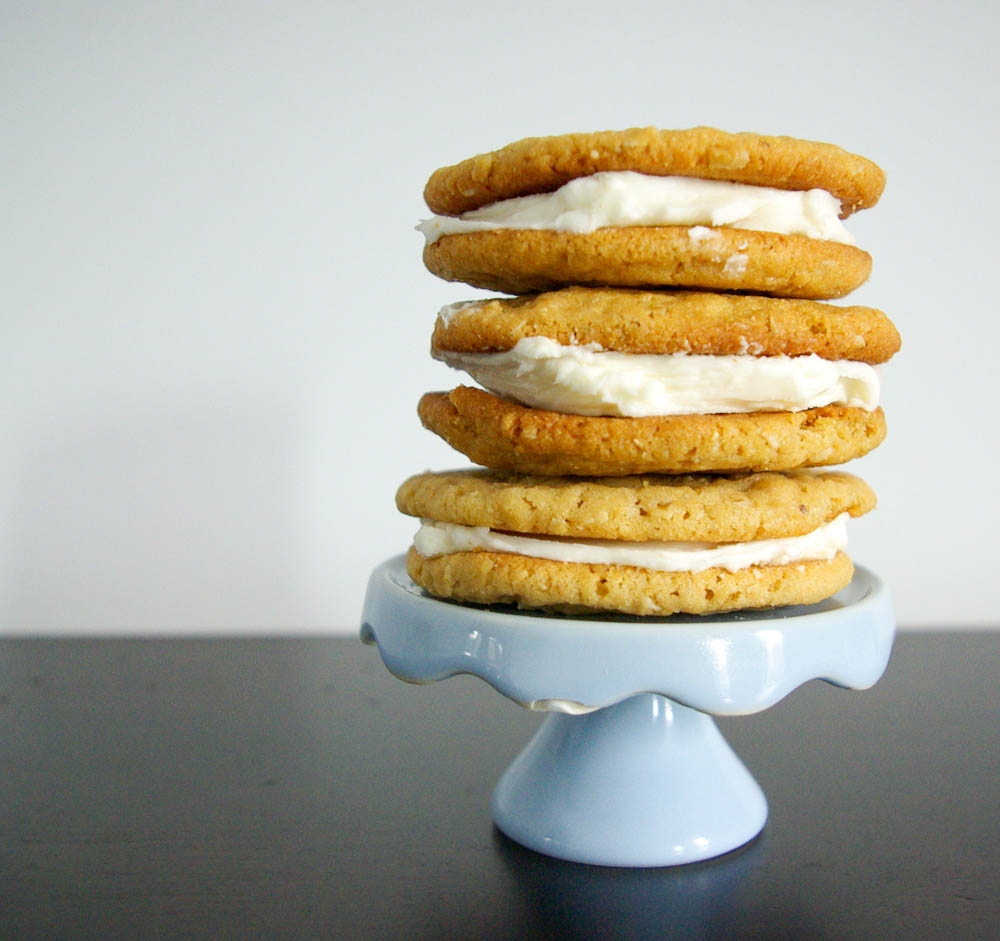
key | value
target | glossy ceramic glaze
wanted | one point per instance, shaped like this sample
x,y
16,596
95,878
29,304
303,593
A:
x,y
646,782
630,769
725,665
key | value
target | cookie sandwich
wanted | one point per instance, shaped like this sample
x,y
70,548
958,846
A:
x,y
641,545
645,207
610,382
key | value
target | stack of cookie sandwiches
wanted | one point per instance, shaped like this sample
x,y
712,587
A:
x,y
654,398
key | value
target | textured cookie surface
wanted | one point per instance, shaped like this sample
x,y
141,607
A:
x,y
520,261
504,578
506,436
632,321
698,508
542,164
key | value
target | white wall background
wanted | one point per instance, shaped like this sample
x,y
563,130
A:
x,y
214,319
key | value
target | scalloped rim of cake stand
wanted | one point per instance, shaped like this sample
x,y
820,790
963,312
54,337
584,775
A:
x,y
731,664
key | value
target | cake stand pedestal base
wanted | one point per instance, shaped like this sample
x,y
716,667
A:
x,y
646,782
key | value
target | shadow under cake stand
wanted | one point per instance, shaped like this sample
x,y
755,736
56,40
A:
x,y
629,768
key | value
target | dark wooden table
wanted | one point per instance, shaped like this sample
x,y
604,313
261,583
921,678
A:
x,y
291,788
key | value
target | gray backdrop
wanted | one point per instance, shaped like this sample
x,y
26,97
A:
x,y
214,317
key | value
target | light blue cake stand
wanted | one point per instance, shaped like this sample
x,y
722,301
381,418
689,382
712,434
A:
x,y
629,768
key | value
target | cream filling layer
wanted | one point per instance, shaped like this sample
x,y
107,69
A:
x,y
625,198
586,380
437,539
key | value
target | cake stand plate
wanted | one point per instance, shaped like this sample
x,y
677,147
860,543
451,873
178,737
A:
x,y
629,768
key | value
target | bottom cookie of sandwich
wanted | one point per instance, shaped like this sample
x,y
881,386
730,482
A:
x,y
507,436
576,587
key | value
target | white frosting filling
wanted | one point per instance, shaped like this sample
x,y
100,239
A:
x,y
437,539
625,198
585,380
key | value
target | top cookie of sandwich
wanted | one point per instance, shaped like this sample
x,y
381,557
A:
x,y
694,322
696,507
543,164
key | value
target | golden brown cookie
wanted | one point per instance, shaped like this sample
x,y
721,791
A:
x,y
704,508
572,587
632,321
543,164
641,545
520,261
506,436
